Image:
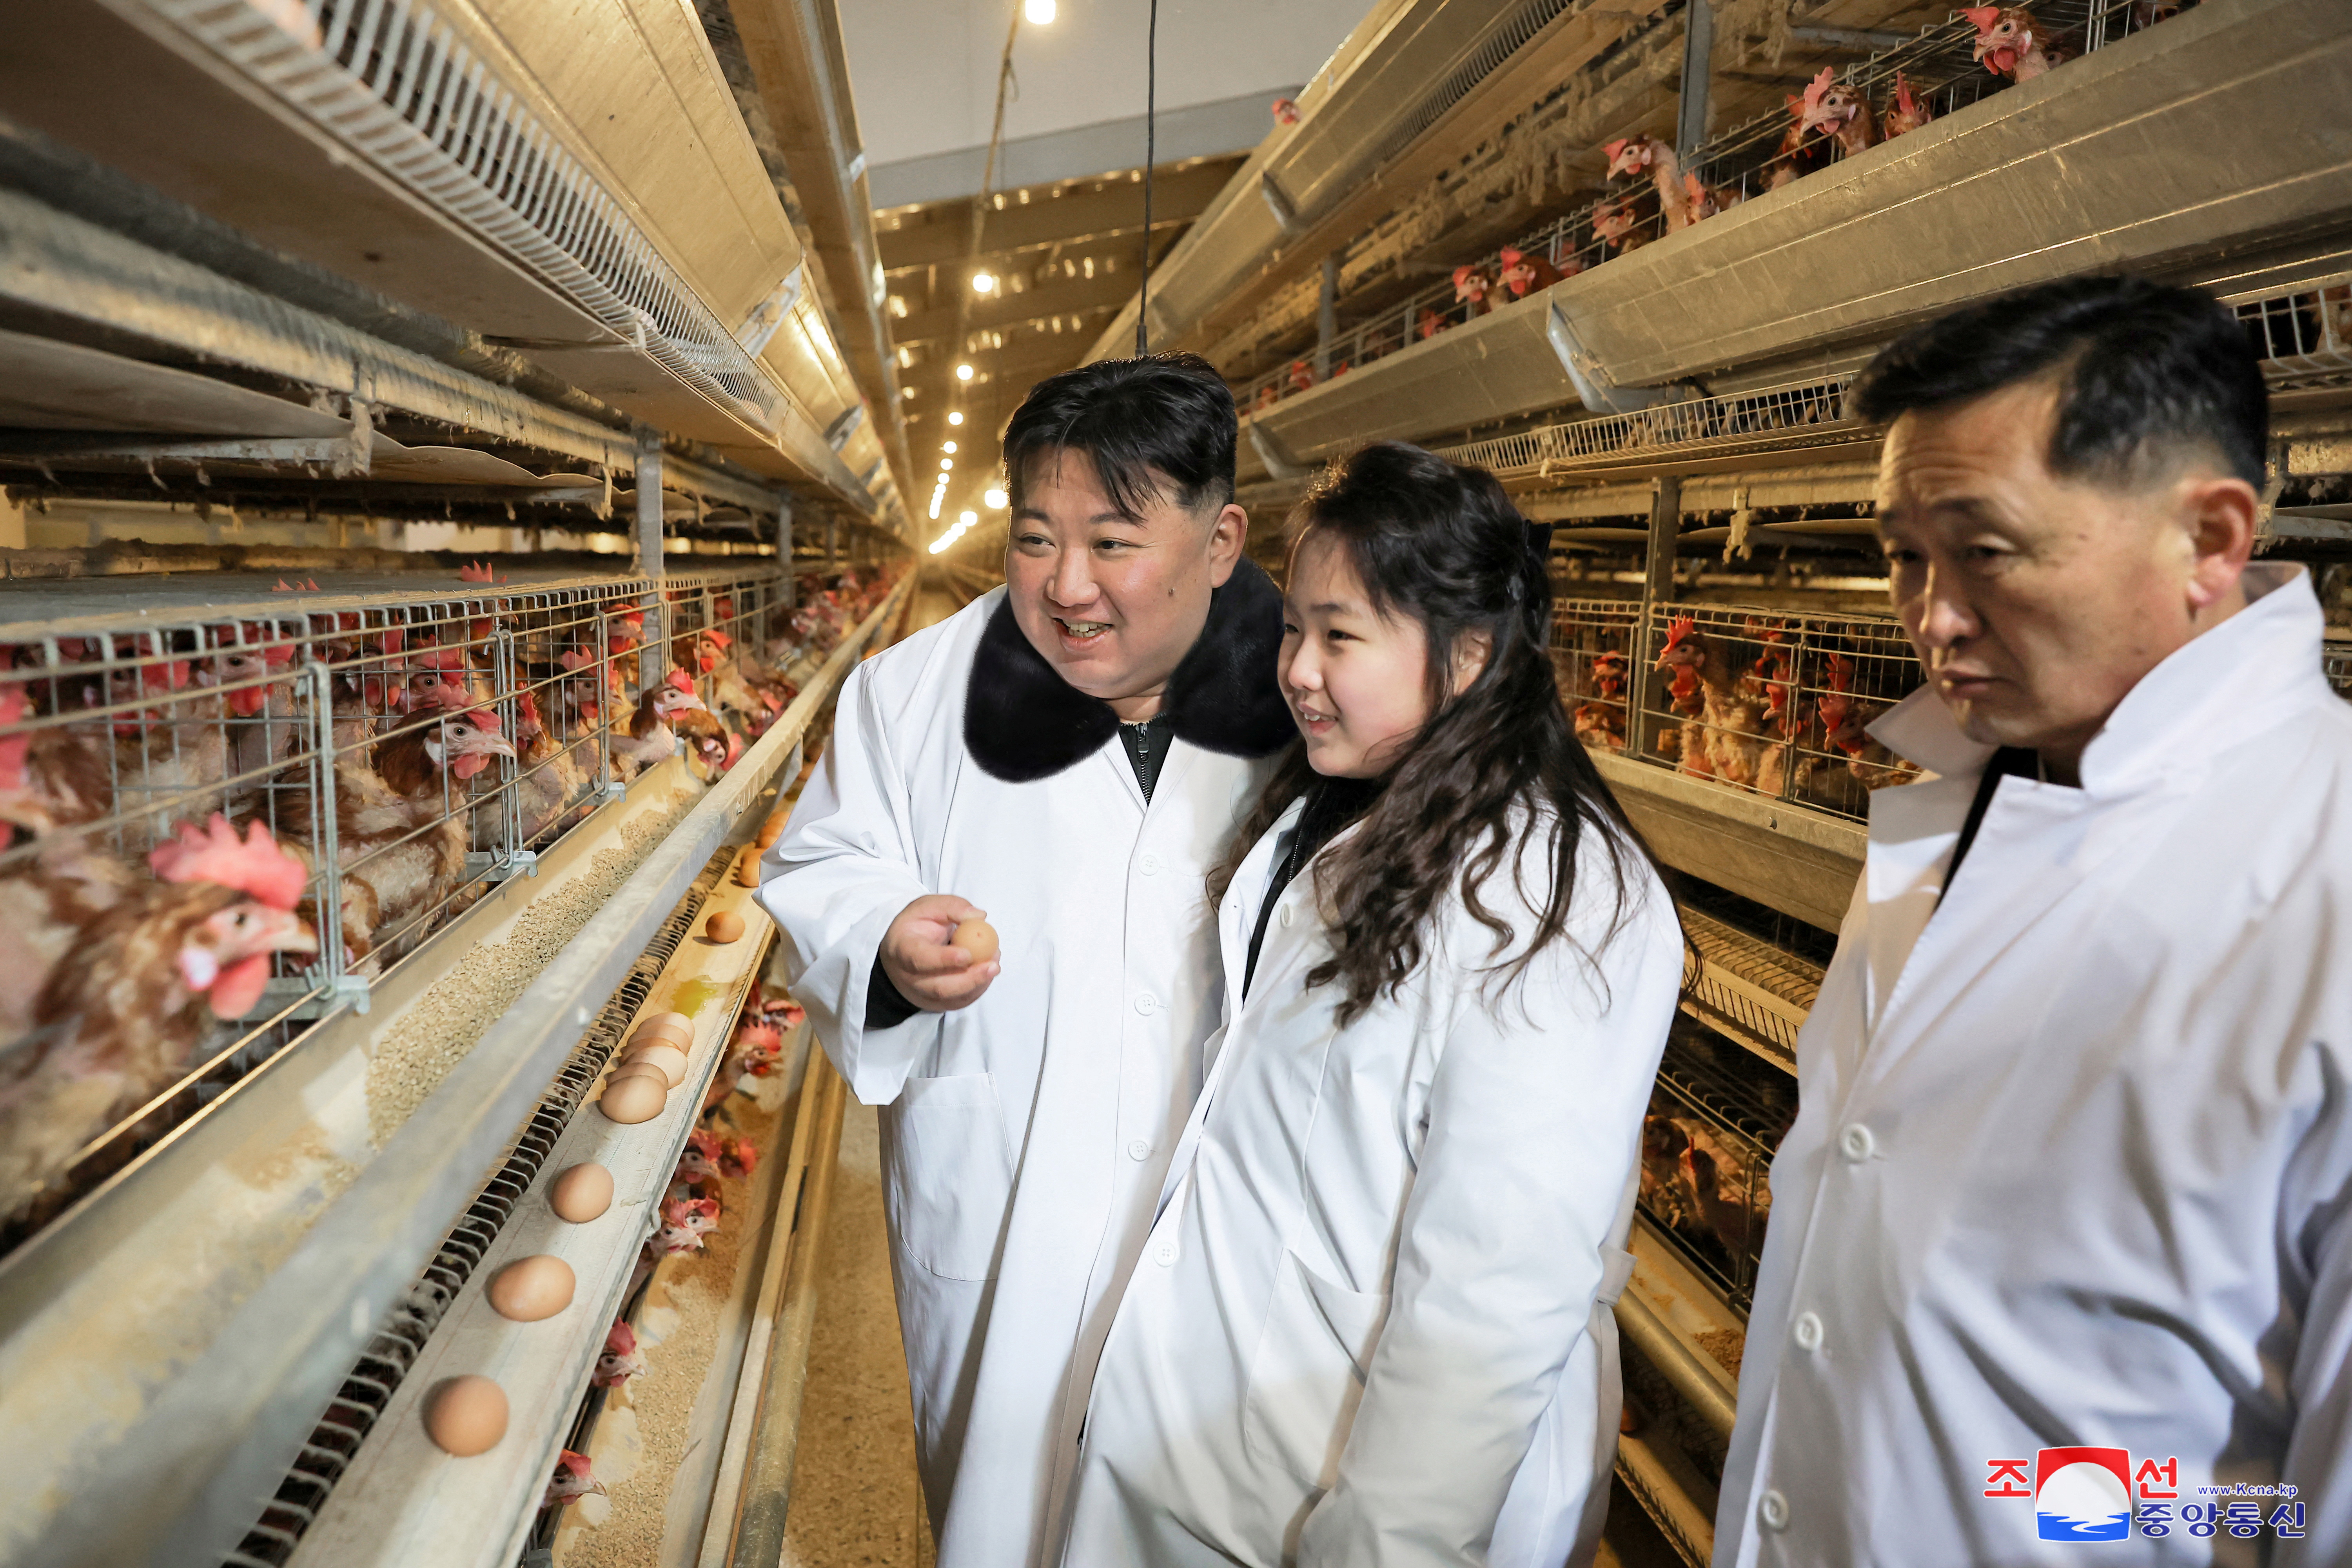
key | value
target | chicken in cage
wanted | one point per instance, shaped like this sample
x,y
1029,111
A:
x,y
1714,1121
1780,705
1592,655
217,830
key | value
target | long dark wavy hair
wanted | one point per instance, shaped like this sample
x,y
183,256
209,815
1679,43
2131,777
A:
x,y
1443,544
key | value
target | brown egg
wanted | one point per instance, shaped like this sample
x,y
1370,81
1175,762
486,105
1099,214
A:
x,y
667,1057
632,1099
976,937
666,1020
772,829
531,1288
582,1193
680,1035
638,1069
466,1415
724,926
747,869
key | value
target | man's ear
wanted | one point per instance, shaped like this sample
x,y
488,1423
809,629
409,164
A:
x,y
2219,516
1227,533
1471,651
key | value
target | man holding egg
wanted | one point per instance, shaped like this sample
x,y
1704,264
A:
x,y
1052,770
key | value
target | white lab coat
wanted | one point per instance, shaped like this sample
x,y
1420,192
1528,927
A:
x,y
1024,1137
2073,1170
1374,1314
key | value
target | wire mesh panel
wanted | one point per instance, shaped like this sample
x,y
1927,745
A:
x,y
1942,69
1593,652
215,827
1776,703
1716,1118
1695,424
2306,338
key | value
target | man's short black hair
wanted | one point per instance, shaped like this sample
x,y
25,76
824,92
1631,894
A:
x,y
1166,415
2147,369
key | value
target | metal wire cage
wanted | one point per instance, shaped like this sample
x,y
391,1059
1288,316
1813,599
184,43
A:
x,y
1924,78
1714,1123
1592,653
221,823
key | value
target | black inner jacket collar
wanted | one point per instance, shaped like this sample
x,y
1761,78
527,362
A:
x,y
1022,721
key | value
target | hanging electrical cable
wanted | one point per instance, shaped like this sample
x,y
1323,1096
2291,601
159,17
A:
x,y
1151,157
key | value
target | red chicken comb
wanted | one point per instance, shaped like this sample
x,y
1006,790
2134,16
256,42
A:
x,y
1679,630
478,571
621,1339
1510,257
253,865
678,678
722,638
12,747
307,584
1841,674
1611,150
1816,88
1984,17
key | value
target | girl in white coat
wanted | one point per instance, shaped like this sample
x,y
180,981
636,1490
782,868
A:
x,y
1371,1326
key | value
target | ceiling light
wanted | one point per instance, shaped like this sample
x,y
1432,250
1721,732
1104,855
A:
x,y
995,497
946,463
963,373
966,518
955,417
1039,12
935,496
947,446
982,282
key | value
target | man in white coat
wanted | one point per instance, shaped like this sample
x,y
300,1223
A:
x,y
1069,754
2060,1250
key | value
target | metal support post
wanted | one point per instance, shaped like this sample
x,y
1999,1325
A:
x,y
1657,589
784,542
1698,52
832,541
653,653
1327,312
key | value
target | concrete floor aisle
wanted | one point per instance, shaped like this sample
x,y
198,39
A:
x,y
856,1502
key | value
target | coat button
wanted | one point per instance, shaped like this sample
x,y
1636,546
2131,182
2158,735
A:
x,y
1147,1003
1282,914
1856,1143
1772,1510
1149,865
1138,1150
1166,1255
1806,1331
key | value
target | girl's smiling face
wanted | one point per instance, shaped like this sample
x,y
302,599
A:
x,y
1357,680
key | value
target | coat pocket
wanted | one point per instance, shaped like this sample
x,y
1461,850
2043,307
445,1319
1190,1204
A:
x,y
950,1175
1308,1374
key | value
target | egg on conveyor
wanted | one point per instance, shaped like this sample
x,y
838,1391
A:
x,y
658,1054
724,926
678,1035
747,869
976,937
634,1099
678,1024
772,829
531,1288
582,1193
466,1415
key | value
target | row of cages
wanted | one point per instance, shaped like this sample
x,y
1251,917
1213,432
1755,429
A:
x,y
218,829
1943,69
1767,702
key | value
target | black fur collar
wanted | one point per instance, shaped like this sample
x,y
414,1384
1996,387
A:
x,y
1022,721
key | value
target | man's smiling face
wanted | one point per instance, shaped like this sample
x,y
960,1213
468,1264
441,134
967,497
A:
x,y
1113,600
